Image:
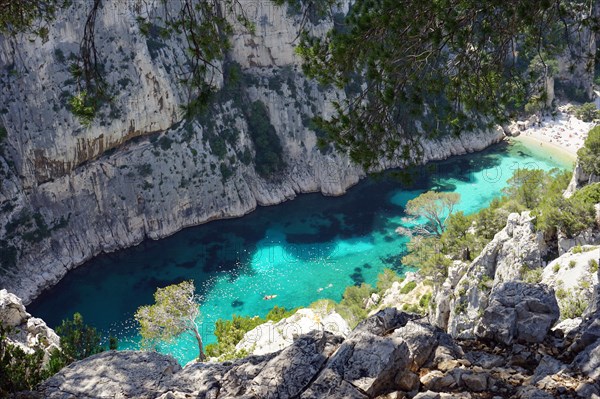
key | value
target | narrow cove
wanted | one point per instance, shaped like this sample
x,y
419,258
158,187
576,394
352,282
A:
x,y
303,250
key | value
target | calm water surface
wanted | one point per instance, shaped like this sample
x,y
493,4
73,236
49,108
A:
x,y
303,250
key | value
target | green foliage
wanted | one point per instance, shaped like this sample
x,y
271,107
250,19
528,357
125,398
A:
x,y
533,276
19,371
546,183
556,268
572,264
449,58
541,192
424,300
40,232
435,208
456,239
323,305
486,283
352,307
426,254
460,307
572,304
571,216
386,279
174,312
230,332
83,107
587,112
226,171
408,287
165,143
268,160
29,16
577,249
78,340
589,194
206,27
593,265
589,155
412,308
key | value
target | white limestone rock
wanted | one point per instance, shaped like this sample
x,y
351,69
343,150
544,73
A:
x,y
12,311
572,268
272,337
28,333
515,247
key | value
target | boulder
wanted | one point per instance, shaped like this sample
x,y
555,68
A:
x,y
421,340
588,361
26,332
519,311
12,311
288,374
113,374
437,381
476,382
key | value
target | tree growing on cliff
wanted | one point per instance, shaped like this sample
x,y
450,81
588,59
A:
x,y
589,155
19,371
436,208
174,312
77,339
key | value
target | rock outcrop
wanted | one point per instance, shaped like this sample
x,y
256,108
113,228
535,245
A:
x,y
518,312
28,333
390,355
515,249
272,337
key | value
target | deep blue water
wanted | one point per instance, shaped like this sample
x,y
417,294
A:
x,y
303,250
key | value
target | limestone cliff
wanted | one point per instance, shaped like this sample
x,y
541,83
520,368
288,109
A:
x,y
71,191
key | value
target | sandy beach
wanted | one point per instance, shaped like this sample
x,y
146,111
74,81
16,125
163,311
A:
x,y
563,133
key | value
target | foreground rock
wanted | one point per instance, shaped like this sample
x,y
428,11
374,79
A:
x,y
28,333
390,355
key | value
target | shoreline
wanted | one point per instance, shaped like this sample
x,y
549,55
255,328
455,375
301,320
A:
x,y
546,149
557,137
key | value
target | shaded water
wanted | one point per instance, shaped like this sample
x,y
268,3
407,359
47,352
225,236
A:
x,y
303,250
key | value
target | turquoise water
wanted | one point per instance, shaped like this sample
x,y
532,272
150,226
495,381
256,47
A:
x,y
303,250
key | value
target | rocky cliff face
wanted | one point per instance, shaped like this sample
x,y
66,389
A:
x,y
71,191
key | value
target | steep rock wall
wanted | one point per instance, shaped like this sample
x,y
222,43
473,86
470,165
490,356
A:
x,y
70,191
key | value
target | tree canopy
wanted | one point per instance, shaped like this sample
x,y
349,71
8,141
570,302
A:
x,y
28,15
589,154
78,340
435,208
420,68
174,312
